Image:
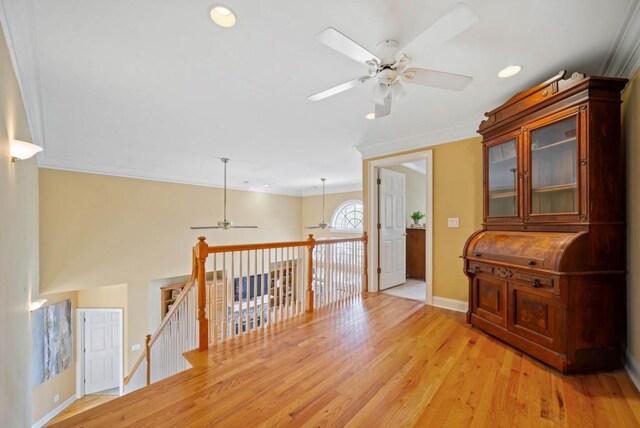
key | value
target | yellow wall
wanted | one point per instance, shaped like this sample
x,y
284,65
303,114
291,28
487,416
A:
x,y
100,230
312,212
631,131
18,251
457,192
64,383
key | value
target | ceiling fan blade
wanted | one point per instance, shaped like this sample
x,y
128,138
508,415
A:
x,y
446,28
243,227
384,110
438,79
337,89
204,227
313,227
338,41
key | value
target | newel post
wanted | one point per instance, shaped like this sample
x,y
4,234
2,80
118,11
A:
x,y
147,356
310,245
202,251
365,242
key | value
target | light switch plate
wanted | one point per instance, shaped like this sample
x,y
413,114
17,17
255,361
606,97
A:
x,y
453,222
135,347
56,398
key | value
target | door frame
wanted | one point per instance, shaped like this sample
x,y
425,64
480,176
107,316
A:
x,y
372,217
80,312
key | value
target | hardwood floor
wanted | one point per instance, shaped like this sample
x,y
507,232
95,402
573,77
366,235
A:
x,y
378,360
81,405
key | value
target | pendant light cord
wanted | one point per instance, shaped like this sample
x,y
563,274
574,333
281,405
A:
x,y
225,160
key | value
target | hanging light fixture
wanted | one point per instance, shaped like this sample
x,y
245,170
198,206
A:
x,y
380,92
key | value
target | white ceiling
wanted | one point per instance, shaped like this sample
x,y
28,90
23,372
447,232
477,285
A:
x,y
154,89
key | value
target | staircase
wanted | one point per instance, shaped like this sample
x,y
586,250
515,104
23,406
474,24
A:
x,y
238,289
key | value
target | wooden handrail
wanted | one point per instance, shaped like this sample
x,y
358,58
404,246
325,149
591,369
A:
x,y
165,320
325,241
271,245
198,273
247,247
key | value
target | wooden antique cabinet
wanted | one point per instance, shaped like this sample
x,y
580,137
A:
x,y
547,271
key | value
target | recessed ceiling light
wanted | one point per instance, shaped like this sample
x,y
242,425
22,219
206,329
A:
x,y
223,16
509,71
266,185
370,116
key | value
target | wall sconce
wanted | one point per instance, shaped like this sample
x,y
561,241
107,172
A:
x,y
21,150
36,304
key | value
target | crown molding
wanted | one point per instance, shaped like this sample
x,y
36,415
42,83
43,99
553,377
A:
x,y
17,20
624,56
342,188
432,138
117,171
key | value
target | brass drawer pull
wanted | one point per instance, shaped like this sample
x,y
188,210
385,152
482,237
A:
x,y
477,254
531,262
536,283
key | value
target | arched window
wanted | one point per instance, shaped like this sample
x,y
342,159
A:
x,y
348,216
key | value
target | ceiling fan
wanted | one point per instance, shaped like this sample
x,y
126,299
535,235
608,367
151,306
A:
x,y
323,224
224,224
389,68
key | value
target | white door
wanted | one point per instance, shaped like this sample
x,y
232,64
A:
x,y
101,350
391,215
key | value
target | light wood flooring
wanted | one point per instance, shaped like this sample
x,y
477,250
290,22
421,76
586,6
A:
x,y
81,405
375,361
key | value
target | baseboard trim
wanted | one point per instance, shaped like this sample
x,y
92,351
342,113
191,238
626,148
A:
x,y
633,370
453,304
66,403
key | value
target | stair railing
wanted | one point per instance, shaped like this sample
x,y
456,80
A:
x,y
237,289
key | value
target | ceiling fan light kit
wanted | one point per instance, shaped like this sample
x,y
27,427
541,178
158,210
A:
x,y
387,68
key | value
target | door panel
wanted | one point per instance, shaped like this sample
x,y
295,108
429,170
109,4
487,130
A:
x,y
392,212
536,316
490,299
102,351
553,168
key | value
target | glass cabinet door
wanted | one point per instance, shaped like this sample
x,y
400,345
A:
x,y
553,168
502,173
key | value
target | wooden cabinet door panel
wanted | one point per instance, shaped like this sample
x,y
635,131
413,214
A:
x,y
535,315
490,299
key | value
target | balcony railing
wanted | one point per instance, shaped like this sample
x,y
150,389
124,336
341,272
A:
x,y
237,289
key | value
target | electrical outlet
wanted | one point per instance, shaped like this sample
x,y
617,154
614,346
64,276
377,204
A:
x,y
135,347
453,222
56,398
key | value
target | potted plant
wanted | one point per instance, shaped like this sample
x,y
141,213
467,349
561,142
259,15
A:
x,y
417,216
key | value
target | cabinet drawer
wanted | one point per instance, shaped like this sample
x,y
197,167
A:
x,y
540,282
536,316
490,299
